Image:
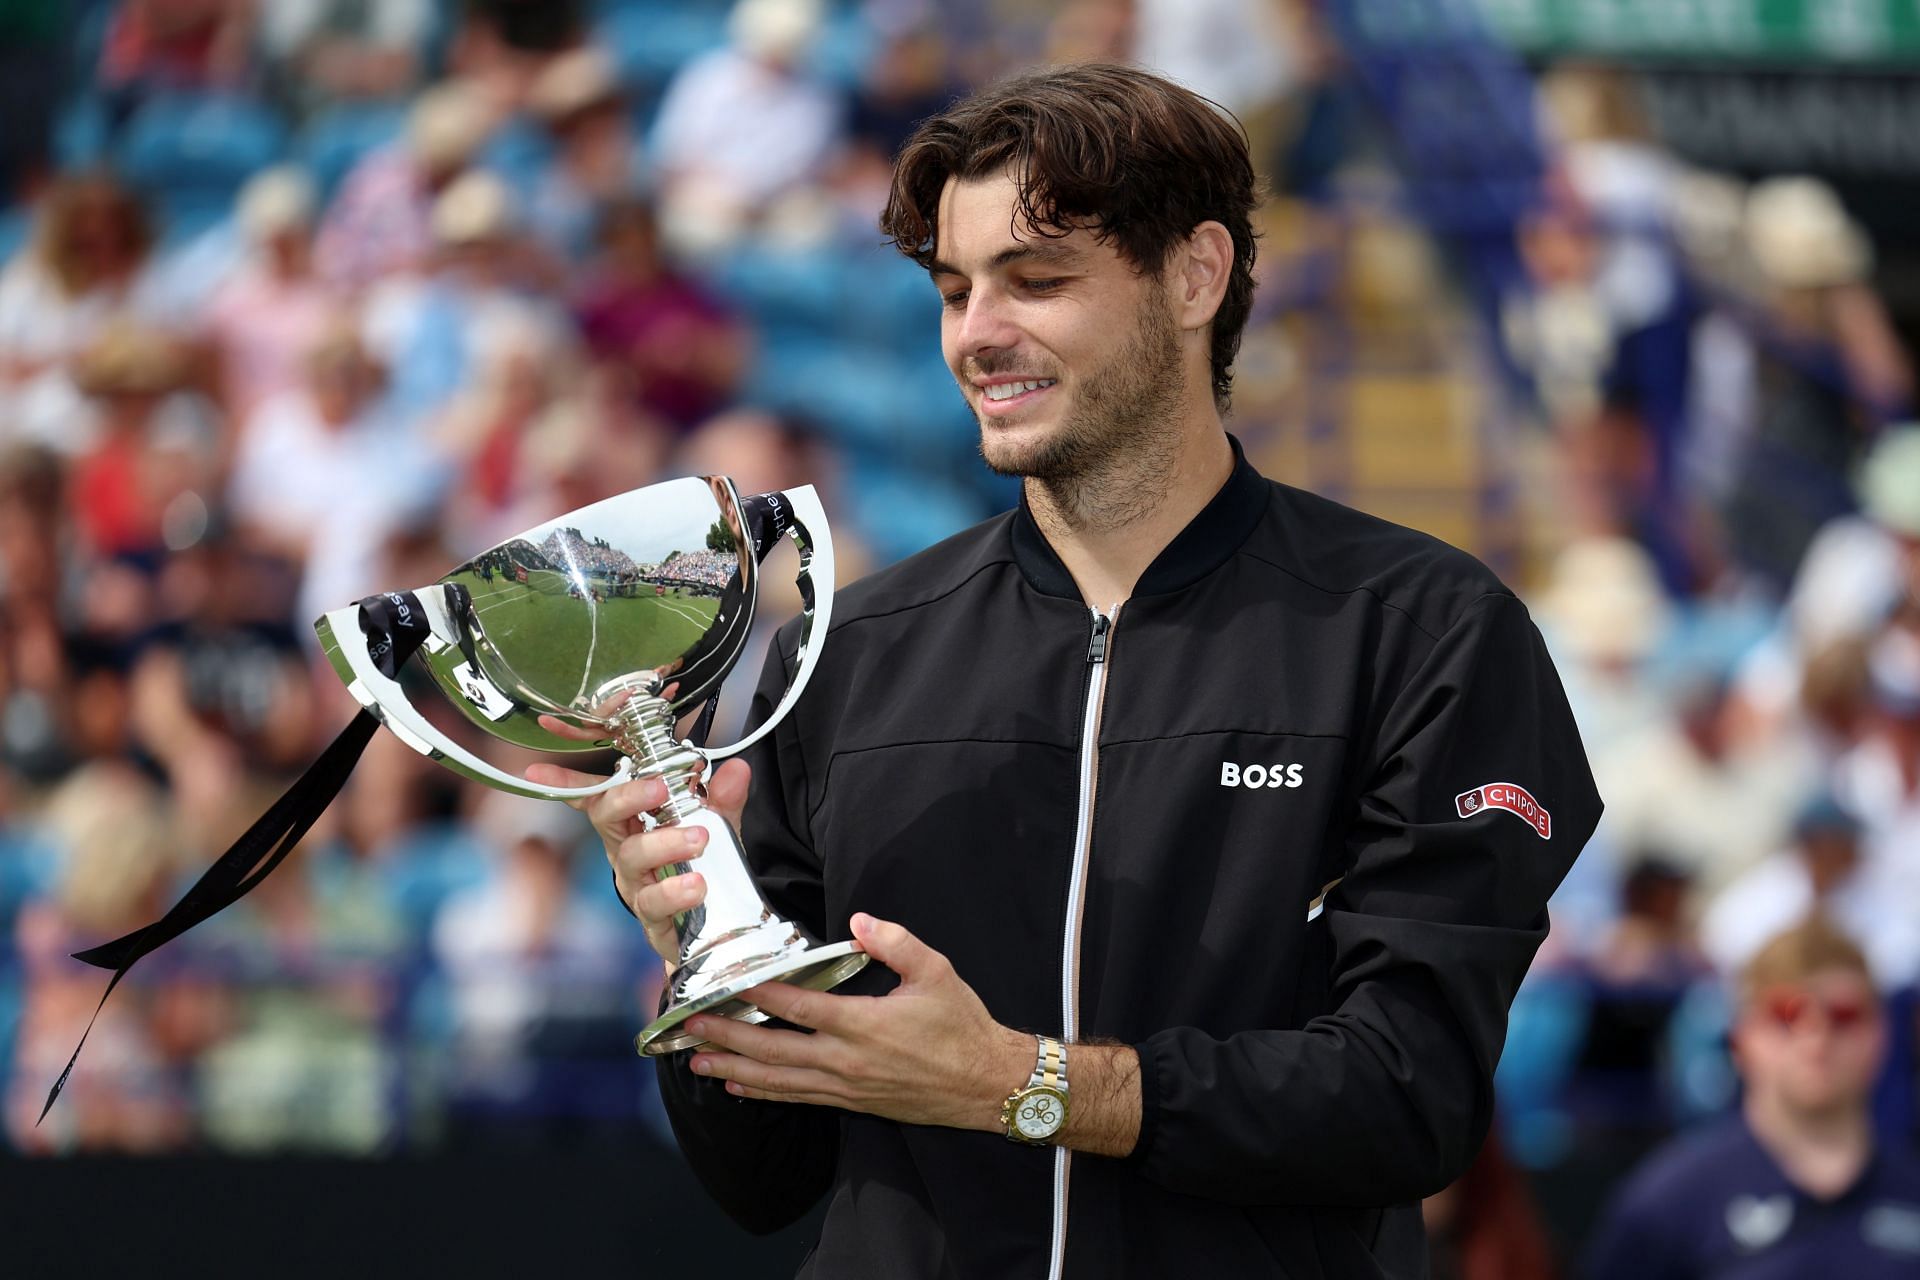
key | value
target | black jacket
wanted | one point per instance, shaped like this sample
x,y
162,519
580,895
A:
x,y
1305,1081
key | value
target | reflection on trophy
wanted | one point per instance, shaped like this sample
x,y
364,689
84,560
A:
x,y
613,622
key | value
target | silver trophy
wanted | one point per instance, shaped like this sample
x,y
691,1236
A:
x,y
602,628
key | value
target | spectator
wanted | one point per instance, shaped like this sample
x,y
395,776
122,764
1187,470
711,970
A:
x,y
484,276
503,45
265,319
1486,1225
579,101
316,949
87,266
1651,947
1822,874
907,80
1879,778
1857,571
159,45
1697,786
34,662
591,444
112,828
743,125
322,51
154,444
381,222
1831,372
1233,52
681,352
1797,1183
221,698
323,472
541,975
520,373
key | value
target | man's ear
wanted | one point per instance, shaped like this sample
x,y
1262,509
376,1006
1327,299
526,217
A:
x,y
1201,268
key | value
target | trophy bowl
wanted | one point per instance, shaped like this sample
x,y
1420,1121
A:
x,y
602,628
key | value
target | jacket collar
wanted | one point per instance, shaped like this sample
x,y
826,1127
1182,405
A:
x,y
1197,550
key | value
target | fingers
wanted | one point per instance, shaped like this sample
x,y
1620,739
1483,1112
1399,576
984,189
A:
x,y
575,733
553,775
755,1051
657,902
636,862
613,811
746,1078
727,789
892,945
803,1007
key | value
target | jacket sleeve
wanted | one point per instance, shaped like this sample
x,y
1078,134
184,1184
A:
x,y
765,1163
1443,904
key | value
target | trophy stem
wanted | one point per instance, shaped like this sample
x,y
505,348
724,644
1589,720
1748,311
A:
x,y
643,729
732,941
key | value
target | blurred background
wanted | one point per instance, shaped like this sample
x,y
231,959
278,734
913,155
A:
x,y
303,299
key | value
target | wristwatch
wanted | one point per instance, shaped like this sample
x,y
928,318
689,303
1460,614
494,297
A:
x,y
1035,1113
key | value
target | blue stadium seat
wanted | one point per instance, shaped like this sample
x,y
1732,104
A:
x,y
651,39
778,288
519,151
1546,1027
900,511
338,137
193,151
845,48
891,302
16,226
82,133
819,379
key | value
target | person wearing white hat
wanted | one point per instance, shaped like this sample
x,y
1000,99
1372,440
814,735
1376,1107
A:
x,y
1831,371
380,222
262,321
482,274
579,100
1856,571
743,125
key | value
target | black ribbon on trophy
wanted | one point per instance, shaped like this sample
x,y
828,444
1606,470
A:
x,y
394,625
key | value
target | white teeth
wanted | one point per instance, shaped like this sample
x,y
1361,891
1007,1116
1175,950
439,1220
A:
x,y
1008,390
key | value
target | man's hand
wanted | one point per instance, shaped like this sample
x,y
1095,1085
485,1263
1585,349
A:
x,y
926,1053
636,853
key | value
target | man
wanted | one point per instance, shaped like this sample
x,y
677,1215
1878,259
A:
x,y
1824,871
1084,774
1795,1184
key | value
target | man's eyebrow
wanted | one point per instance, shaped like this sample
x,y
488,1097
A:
x,y
1058,255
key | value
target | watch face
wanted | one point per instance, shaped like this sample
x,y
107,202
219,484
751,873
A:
x,y
1040,1113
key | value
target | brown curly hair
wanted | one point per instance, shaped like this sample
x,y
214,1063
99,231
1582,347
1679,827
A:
x,y
1132,156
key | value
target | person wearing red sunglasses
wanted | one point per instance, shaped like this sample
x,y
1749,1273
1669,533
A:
x,y
1797,1183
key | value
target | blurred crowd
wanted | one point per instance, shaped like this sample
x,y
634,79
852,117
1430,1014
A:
x,y
1735,603
312,298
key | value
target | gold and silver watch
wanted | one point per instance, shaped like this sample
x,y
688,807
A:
x,y
1035,1114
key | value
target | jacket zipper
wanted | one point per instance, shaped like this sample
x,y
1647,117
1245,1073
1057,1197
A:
x,y
1103,624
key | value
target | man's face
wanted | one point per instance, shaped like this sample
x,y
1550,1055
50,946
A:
x,y
1065,353
1815,1045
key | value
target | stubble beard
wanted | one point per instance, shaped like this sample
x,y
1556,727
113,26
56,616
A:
x,y
1109,461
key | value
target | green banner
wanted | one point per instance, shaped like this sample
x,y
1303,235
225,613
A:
x,y
1780,31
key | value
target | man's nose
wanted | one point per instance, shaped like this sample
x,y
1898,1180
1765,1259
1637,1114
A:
x,y
987,324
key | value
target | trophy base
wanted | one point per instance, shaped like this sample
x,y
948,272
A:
x,y
817,968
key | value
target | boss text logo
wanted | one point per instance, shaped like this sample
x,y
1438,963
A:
x,y
1254,776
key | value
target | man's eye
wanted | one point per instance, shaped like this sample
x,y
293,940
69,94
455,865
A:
x,y
955,299
1043,286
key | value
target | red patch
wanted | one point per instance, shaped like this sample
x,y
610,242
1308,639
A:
x,y
1514,799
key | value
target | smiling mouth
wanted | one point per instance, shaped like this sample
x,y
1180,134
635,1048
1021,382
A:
x,y
1002,392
